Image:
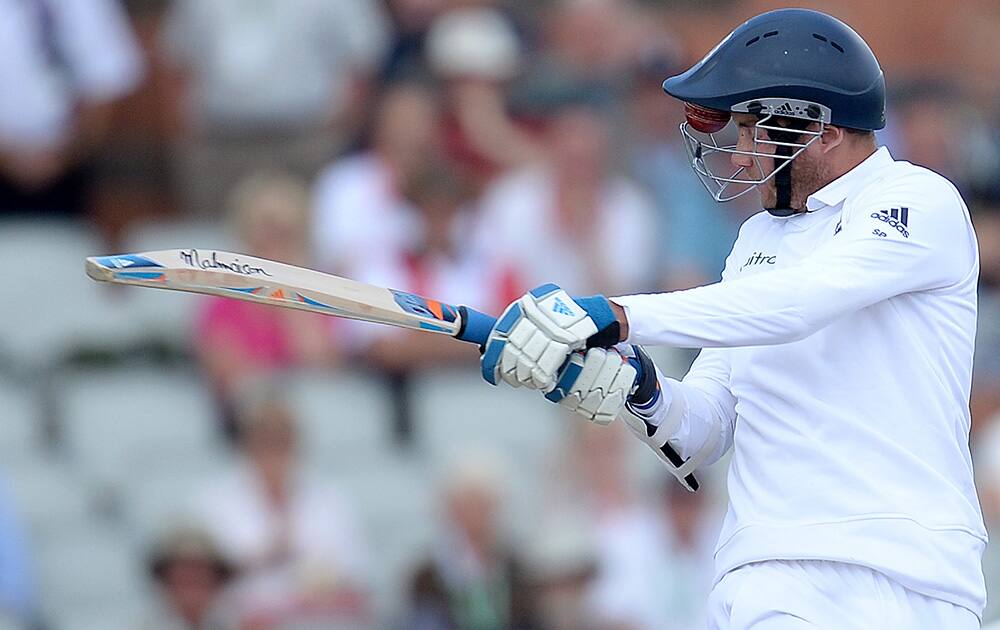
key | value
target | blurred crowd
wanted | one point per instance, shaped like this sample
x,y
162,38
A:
x,y
462,149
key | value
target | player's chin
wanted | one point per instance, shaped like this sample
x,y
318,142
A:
x,y
768,197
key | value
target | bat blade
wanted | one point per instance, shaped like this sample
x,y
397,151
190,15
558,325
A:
x,y
244,277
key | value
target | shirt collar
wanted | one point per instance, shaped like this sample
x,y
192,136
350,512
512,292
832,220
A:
x,y
836,191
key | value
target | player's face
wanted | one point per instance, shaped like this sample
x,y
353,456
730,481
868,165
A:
x,y
807,169
754,169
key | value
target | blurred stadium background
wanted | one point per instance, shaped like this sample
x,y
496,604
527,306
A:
x,y
171,462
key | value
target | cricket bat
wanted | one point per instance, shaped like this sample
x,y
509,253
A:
x,y
253,279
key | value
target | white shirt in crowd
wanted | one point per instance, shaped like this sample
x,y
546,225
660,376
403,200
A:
x,y
838,364
55,54
520,222
364,229
645,579
285,62
321,527
359,217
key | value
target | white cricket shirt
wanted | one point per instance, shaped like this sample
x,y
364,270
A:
x,y
838,363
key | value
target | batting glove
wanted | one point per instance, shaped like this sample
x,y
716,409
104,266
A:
x,y
597,385
535,336
602,385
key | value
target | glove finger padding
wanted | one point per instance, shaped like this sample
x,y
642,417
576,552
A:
x,y
533,338
595,385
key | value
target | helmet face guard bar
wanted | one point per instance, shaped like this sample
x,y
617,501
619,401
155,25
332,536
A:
x,y
711,159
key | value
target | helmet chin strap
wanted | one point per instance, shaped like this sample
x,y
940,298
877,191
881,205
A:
x,y
783,185
783,178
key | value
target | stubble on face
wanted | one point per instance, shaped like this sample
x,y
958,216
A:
x,y
809,174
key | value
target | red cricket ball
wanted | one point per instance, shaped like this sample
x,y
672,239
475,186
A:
x,y
704,119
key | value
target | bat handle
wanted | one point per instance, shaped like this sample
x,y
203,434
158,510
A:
x,y
476,326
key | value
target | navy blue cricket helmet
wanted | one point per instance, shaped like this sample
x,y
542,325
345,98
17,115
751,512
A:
x,y
790,54
797,71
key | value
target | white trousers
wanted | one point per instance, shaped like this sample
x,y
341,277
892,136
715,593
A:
x,y
816,594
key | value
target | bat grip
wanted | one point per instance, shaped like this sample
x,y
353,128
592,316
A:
x,y
476,326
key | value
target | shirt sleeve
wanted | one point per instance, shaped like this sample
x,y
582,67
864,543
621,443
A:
x,y
870,260
700,410
705,406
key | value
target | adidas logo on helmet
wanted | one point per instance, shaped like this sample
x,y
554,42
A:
x,y
785,109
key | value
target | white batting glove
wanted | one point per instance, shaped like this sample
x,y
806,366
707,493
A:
x,y
595,385
535,336
602,385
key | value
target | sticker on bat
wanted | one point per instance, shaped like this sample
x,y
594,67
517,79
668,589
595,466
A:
x,y
126,261
192,258
419,305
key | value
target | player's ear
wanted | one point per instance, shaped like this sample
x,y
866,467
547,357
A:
x,y
831,138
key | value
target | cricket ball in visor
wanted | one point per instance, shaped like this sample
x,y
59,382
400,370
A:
x,y
705,119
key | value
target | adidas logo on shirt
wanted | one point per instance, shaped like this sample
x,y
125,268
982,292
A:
x,y
896,218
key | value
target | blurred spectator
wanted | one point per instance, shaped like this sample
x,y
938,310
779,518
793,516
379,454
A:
x,y
359,214
933,124
986,371
63,64
694,232
272,83
572,220
17,592
397,216
596,485
685,554
986,455
588,45
561,567
985,403
294,537
653,552
472,581
475,52
442,264
191,574
411,19
269,212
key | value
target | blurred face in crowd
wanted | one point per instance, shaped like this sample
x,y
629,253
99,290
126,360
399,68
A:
x,y
601,452
271,213
987,222
462,4
191,583
685,511
589,35
929,129
407,127
415,15
473,508
270,443
655,116
562,603
439,192
579,141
